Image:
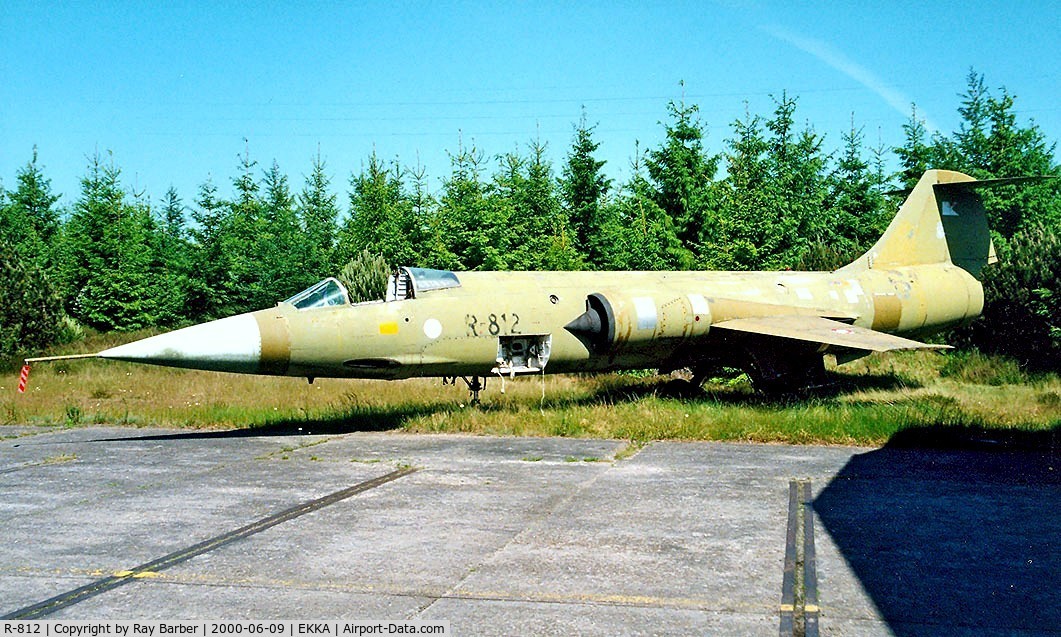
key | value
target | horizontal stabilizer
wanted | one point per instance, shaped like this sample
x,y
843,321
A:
x,y
982,183
816,329
994,183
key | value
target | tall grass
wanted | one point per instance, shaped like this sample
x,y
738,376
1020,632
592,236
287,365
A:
x,y
870,401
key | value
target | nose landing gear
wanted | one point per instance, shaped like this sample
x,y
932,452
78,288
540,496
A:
x,y
475,384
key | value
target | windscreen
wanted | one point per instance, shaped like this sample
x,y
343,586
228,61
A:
x,y
327,293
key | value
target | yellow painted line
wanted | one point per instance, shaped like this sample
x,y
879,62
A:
x,y
146,574
787,608
612,600
150,569
136,574
811,608
388,328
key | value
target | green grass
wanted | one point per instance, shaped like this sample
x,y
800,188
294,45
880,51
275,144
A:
x,y
871,402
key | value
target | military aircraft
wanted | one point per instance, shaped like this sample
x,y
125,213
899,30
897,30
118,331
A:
x,y
921,276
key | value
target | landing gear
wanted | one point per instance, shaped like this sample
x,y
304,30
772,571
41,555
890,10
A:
x,y
786,372
698,375
475,384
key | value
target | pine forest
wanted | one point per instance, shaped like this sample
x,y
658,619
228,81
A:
x,y
777,196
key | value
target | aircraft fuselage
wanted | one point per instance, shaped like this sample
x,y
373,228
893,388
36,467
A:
x,y
658,317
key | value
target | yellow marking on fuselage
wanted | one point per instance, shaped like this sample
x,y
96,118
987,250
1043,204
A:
x,y
388,329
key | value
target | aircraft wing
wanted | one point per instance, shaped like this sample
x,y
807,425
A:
x,y
816,329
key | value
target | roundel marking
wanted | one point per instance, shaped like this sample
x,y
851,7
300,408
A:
x,y
432,328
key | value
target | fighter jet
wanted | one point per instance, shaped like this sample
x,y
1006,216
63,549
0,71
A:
x,y
920,277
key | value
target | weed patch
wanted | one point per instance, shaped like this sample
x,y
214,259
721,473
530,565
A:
x,y
979,369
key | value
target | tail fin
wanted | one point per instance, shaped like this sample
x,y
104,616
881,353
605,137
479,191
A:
x,y
942,221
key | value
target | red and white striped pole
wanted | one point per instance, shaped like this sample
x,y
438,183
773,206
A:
x,y
23,379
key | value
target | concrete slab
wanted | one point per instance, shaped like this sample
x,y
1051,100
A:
x,y
504,618
527,535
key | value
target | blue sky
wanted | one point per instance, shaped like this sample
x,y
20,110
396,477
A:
x,y
173,90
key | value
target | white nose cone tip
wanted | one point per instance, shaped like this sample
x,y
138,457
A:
x,y
232,344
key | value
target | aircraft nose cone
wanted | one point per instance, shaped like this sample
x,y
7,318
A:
x,y
232,344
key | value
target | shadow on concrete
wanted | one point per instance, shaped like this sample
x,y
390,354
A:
x,y
953,530
344,423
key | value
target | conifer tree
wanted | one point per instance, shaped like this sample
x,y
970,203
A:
x,y
501,227
1021,291
681,173
583,187
108,255
1013,150
797,164
643,236
261,240
467,221
208,284
989,143
31,313
381,217
29,220
241,238
549,244
854,206
970,144
173,219
365,277
770,205
744,197
171,266
282,248
432,248
318,213
915,155
524,227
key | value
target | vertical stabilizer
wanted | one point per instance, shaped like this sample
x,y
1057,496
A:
x,y
942,221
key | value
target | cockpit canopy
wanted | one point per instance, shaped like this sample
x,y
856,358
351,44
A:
x,y
326,293
409,283
406,283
